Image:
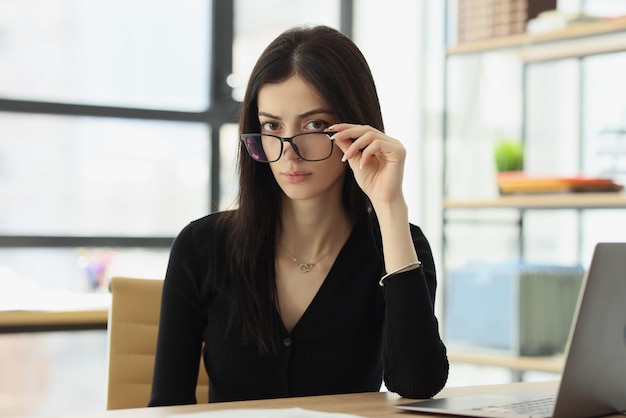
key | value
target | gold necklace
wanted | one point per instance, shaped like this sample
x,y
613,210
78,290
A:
x,y
304,267
307,267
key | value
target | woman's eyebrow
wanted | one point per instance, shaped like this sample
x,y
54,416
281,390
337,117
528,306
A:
x,y
316,112
269,115
301,116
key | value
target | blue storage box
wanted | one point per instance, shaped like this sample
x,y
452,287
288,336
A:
x,y
524,309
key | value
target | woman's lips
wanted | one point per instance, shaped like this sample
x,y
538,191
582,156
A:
x,y
296,176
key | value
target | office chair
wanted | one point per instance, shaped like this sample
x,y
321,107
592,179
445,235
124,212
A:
x,y
132,334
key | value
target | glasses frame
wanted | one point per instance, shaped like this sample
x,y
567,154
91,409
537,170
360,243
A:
x,y
289,139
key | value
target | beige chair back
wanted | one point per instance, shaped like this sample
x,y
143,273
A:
x,y
132,334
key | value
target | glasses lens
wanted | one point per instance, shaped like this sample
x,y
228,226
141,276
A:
x,y
310,146
263,148
313,146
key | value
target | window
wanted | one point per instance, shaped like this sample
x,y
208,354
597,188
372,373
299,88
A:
x,y
118,126
109,128
143,53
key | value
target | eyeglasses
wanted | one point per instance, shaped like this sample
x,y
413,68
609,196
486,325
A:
x,y
308,146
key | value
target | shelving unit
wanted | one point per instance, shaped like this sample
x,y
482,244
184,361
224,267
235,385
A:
x,y
577,41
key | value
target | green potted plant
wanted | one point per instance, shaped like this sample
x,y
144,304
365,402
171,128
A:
x,y
509,159
509,155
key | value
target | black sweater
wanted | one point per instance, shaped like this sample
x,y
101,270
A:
x,y
353,334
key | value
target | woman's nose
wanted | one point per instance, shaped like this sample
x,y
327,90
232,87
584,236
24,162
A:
x,y
288,151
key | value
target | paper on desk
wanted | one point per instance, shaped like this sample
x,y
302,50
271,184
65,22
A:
x,y
265,413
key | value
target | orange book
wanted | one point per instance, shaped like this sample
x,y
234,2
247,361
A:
x,y
518,182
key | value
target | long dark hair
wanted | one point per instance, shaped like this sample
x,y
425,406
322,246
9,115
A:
x,y
331,63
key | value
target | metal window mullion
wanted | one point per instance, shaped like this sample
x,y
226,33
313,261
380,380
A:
x,y
73,109
64,241
346,17
223,107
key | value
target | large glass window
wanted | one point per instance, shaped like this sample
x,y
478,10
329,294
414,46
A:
x,y
107,118
66,172
101,176
142,53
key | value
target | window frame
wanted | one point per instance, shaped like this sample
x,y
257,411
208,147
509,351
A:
x,y
223,110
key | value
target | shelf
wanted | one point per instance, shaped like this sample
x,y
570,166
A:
x,y
544,201
577,40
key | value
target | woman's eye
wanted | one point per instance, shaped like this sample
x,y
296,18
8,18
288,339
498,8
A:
x,y
269,126
317,125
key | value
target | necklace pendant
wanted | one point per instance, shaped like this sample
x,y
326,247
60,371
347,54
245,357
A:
x,y
306,267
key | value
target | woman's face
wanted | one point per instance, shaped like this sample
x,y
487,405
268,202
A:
x,y
290,108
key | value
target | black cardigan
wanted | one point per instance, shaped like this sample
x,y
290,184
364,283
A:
x,y
353,334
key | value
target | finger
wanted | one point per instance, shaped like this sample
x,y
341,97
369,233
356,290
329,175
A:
x,y
349,131
354,140
344,142
339,127
372,150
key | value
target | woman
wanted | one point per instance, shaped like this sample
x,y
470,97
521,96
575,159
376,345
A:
x,y
282,295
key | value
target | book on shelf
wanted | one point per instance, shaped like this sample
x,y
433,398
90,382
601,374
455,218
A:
x,y
520,183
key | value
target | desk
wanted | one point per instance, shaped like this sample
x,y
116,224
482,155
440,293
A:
x,y
39,321
374,404
54,311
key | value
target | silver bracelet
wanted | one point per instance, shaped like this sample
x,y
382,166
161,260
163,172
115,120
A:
x,y
414,263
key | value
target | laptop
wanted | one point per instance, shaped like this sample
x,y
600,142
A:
x,y
593,382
